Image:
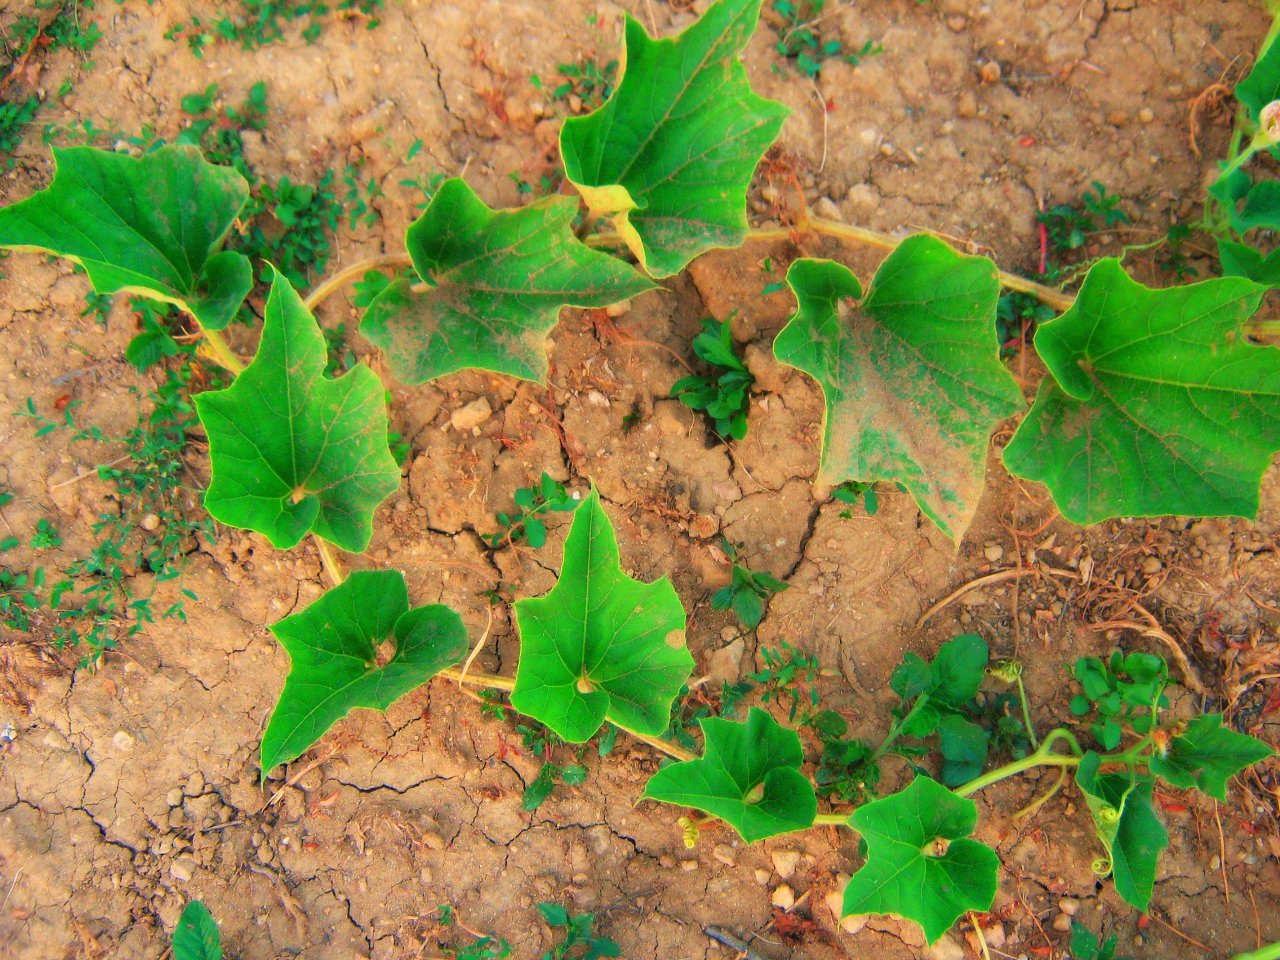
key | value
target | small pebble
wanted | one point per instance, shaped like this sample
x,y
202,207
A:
x,y
1151,566
724,854
688,866
993,553
783,897
1062,923
989,72
1215,862
472,415
762,877
1069,906
785,862
174,797
1146,115
667,861
182,869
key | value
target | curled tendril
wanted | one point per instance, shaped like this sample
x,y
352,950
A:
x,y
1109,815
690,830
1007,670
1269,121
1101,867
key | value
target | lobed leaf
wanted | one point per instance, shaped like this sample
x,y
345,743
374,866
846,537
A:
x,y
196,936
905,874
496,282
1131,833
670,155
911,374
600,645
333,648
152,225
1158,403
1262,85
748,775
292,451
1206,754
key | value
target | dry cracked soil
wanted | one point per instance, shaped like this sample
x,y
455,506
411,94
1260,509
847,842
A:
x,y
130,788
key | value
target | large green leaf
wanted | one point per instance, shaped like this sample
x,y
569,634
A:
x,y
600,646
1262,85
1131,833
495,282
196,936
292,451
907,873
911,375
1158,404
669,157
748,775
1207,754
333,647
151,225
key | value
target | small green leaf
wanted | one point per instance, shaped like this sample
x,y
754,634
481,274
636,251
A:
x,y
904,873
910,678
496,280
1131,833
1242,260
964,749
669,157
1262,85
1158,404
958,669
1207,754
600,645
151,226
748,775
911,374
333,646
292,451
196,936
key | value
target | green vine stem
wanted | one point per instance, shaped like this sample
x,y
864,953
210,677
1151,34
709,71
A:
x,y
1046,756
831,820
335,282
220,351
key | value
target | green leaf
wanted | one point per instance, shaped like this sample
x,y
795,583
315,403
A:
x,y
196,936
294,452
911,375
333,646
748,775
600,646
958,669
1262,85
964,749
1242,260
669,157
496,280
151,226
904,873
1207,754
911,677
1158,404
1131,833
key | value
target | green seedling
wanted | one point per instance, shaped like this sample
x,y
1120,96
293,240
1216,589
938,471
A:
x,y
724,395
801,42
1086,946
747,595
590,81
1069,225
851,491
541,742
46,536
259,23
579,941
913,390
1126,691
525,525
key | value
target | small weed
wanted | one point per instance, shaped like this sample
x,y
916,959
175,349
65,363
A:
x,y
851,491
46,536
541,742
747,593
1086,946
725,394
783,672
579,940
484,947
360,196
1127,690
591,82
524,525
259,23
1069,225
800,38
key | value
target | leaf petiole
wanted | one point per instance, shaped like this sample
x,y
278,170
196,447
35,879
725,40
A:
x,y
1046,756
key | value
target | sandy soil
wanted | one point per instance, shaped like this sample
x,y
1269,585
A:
x,y
132,788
